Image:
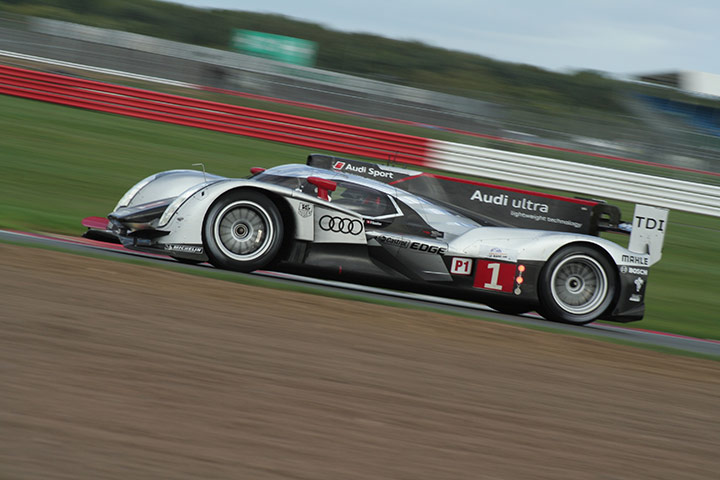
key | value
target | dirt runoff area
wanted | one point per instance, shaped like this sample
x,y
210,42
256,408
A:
x,y
118,371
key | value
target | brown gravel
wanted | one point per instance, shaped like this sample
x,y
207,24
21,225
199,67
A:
x,y
111,370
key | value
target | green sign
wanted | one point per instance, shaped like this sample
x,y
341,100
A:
x,y
275,47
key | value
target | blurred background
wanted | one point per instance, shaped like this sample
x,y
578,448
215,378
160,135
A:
x,y
668,116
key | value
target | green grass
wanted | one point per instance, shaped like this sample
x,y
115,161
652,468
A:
x,y
59,164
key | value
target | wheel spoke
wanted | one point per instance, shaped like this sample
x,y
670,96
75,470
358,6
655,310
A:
x,y
243,230
579,284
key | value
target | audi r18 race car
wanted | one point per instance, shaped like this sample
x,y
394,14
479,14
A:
x,y
511,249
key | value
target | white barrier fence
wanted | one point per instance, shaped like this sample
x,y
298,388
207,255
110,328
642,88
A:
x,y
88,68
583,179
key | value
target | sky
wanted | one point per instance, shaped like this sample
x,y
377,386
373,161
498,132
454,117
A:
x,y
624,37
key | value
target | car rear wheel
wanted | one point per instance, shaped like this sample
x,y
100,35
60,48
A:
x,y
243,231
576,285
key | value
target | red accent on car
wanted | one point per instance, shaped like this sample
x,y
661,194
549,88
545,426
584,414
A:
x,y
323,186
98,223
256,170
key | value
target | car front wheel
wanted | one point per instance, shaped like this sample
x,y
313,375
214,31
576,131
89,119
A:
x,y
243,231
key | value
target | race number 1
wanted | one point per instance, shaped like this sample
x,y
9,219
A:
x,y
493,275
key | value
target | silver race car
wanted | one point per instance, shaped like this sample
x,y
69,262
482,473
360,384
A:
x,y
511,249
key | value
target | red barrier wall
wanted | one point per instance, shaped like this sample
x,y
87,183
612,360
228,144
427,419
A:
x,y
134,102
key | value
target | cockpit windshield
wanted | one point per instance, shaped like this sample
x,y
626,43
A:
x,y
365,200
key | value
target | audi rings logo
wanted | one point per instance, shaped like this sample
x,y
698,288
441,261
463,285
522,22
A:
x,y
341,225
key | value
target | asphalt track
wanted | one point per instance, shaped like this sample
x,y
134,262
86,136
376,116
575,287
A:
x,y
638,335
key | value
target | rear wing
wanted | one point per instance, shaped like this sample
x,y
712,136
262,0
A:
x,y
648,233
489,204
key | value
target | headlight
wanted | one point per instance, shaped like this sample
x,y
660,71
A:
x,y
179,200
130,194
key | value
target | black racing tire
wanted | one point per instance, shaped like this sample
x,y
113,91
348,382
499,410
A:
x,y
243,231
576,285
509,309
